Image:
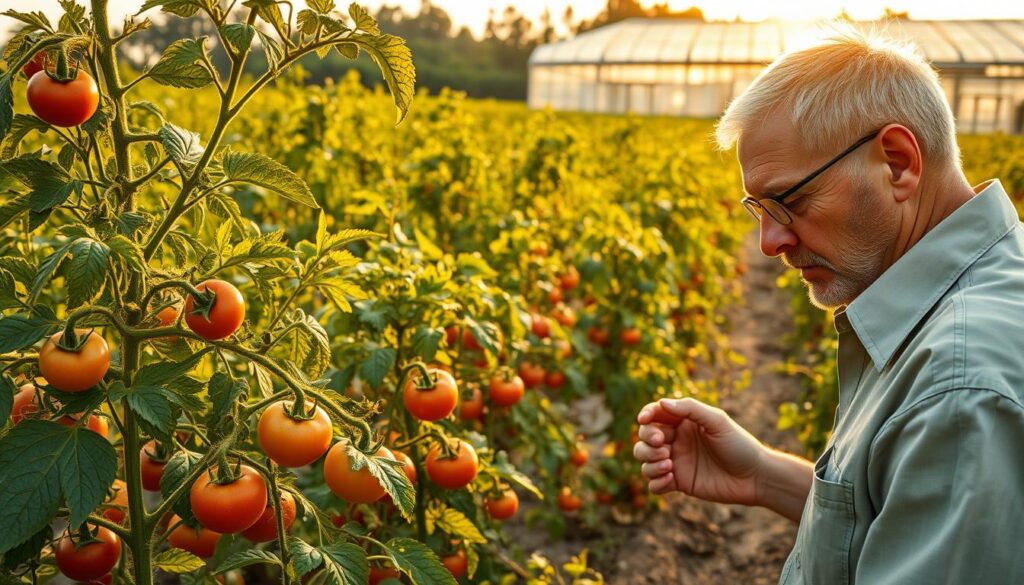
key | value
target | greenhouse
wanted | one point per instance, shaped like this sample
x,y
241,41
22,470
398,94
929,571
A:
x,y
675,67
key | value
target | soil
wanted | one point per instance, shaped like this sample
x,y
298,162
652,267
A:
x,y
690,541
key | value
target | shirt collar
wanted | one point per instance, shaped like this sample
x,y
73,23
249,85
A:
x,y
885,314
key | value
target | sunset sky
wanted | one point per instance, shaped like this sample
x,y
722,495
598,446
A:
x,y
473,13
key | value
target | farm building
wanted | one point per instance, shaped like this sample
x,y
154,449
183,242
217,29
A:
x,y
673,67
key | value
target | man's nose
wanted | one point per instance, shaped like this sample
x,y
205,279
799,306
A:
x,y
775,237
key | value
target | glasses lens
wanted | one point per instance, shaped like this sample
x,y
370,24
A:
x,y
775,210
753,207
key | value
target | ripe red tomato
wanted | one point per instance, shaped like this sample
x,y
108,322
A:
x,y
554,380
532,374
88,561
469,342
565,316
407,465
167,316
570,279
568,501
152,467
506,392
26,403
378,574
540,325
472,408
504,506
630,337
456,473
451,335
455,563
598,335
265,529
579,455
202,542
604,497
72,371
435,402
230,507
36,64
291,442
96,424
357,487
226,315
119,499
63,103
555,296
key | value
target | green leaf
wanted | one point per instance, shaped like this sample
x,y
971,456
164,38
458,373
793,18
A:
x,y
457,524
321,6
34,20
425,342
304,558
154,406
8,291
20,128
247,558
271,49
128,251
7,391
181,65
176,471
419,562
21,331
6,104
362,19
182,146
27,550
266,172
377,365
345,564
270,12
87,270
182,8
224,392
348,50
42,462
162,373
100,119
177,561
239,36
46,270
14,207
50,184
395,62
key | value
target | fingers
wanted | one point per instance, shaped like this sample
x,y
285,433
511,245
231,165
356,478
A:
x,y
677,409
648,454
662,485
657,435
656,469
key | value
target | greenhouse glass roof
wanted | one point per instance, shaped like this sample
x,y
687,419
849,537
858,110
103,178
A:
x,y
947,43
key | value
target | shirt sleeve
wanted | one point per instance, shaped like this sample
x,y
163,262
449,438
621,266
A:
x,y
947,483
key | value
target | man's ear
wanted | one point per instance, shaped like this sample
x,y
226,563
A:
x,y
902,156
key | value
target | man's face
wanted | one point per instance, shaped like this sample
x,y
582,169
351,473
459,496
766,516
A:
x,y
843,229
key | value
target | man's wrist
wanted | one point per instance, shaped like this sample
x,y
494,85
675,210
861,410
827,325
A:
x,y
783,483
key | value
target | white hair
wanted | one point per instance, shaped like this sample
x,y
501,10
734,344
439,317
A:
x,y
845,87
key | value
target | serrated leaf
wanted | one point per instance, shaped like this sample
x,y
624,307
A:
x,y
46,270
224,392
128,251
239,36
457,524
176,471
304,558
417,561
7,390
21,331
8,291
87,271
181,65
425,342
50,184
363,20
377,365
266,172
100,119
14,207
321,6
154,406
6,104
42,462
26,550
182,146
345,564
395,62
348,50
178,561
271,50
270,12
182,8
247,558
21,126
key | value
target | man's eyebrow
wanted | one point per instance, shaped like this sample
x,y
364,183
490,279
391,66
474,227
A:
x,y
772,189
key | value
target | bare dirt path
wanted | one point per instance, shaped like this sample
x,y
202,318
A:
x,y
692,541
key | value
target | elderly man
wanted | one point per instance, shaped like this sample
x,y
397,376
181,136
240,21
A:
x,y
850,160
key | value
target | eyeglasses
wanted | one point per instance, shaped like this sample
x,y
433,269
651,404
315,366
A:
x,y
773,205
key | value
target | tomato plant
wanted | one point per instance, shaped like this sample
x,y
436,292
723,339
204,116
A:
x,y
265,528
432,396
455,471
359,486
63,103
503,506
151,466
201,542
506,391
